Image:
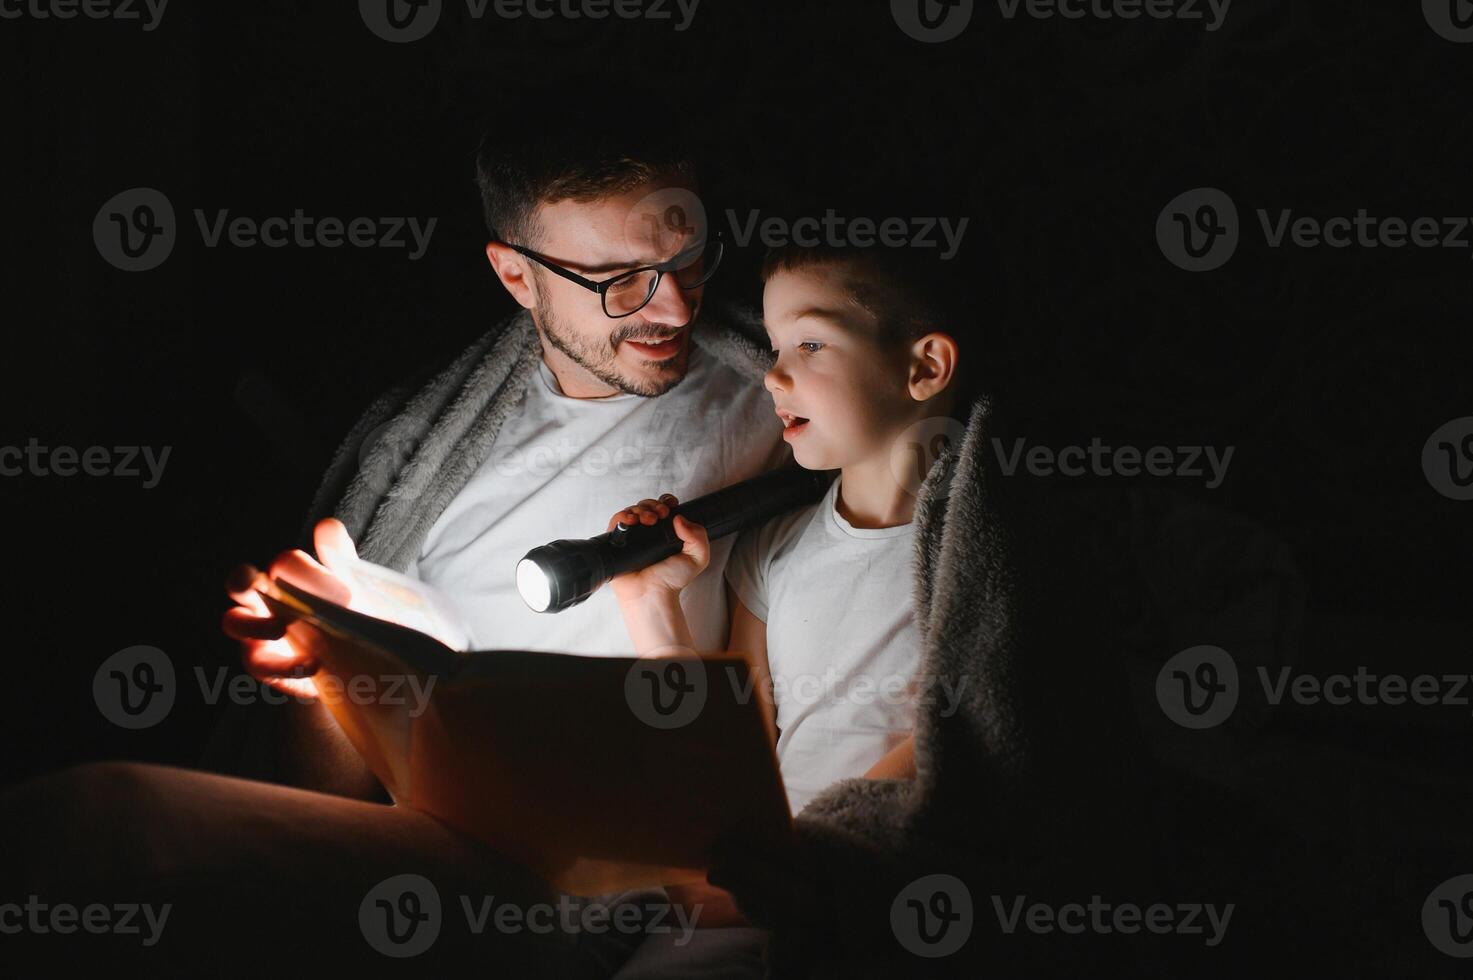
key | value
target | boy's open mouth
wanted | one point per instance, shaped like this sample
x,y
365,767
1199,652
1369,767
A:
x,y
792,424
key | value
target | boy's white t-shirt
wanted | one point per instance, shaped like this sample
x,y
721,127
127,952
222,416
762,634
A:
x,y
561,466
842,644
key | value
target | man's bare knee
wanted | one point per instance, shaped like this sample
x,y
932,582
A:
x,y
93,822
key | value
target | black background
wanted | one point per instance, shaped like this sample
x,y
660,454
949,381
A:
x,y
1061,141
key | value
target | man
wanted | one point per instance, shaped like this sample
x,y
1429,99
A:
x,y
605,386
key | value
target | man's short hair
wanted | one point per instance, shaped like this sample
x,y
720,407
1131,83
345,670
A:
x,y
517,176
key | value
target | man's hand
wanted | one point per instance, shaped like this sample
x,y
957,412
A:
x,y
669,575
277,652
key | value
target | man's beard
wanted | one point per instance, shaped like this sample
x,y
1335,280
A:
x,y
601,361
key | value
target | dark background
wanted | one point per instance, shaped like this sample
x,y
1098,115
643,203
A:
x,y
1060,140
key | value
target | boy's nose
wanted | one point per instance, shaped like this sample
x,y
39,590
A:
x,y
775,379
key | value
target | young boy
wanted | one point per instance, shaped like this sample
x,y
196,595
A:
x,y
821,598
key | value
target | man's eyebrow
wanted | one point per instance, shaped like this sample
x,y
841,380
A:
x,y
602,267
624,265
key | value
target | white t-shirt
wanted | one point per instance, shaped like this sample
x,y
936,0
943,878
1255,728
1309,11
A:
x,y
842,644
560,467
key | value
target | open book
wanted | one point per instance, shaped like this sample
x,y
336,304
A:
x,y
598,773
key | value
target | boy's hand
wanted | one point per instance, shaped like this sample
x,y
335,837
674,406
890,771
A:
x,y
671,574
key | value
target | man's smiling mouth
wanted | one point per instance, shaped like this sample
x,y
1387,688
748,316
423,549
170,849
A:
x,y
658,348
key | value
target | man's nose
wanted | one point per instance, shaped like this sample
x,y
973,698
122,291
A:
x,y
671,304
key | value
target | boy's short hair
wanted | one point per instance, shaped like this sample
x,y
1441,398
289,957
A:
x,y
515,177
910,293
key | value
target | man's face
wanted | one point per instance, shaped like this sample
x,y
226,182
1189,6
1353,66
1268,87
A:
x,y
648,352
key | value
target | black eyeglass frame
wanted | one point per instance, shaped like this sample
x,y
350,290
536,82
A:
x,y
602,288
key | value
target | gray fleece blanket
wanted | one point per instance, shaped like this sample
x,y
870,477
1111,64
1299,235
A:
x,y
1031,778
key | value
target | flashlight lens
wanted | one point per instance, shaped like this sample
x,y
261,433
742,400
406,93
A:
x,y
533,584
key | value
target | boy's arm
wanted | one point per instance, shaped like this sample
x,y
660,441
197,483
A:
x,y
657,624
898,763
749,637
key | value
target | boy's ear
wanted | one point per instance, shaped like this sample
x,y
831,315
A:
x,y
933,365
514,271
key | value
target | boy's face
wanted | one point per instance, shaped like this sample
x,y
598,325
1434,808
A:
x,y
833,370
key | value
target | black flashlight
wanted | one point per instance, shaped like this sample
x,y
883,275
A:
x,y
562,574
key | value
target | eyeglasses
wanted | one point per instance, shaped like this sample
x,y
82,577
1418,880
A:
x,y
629,292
